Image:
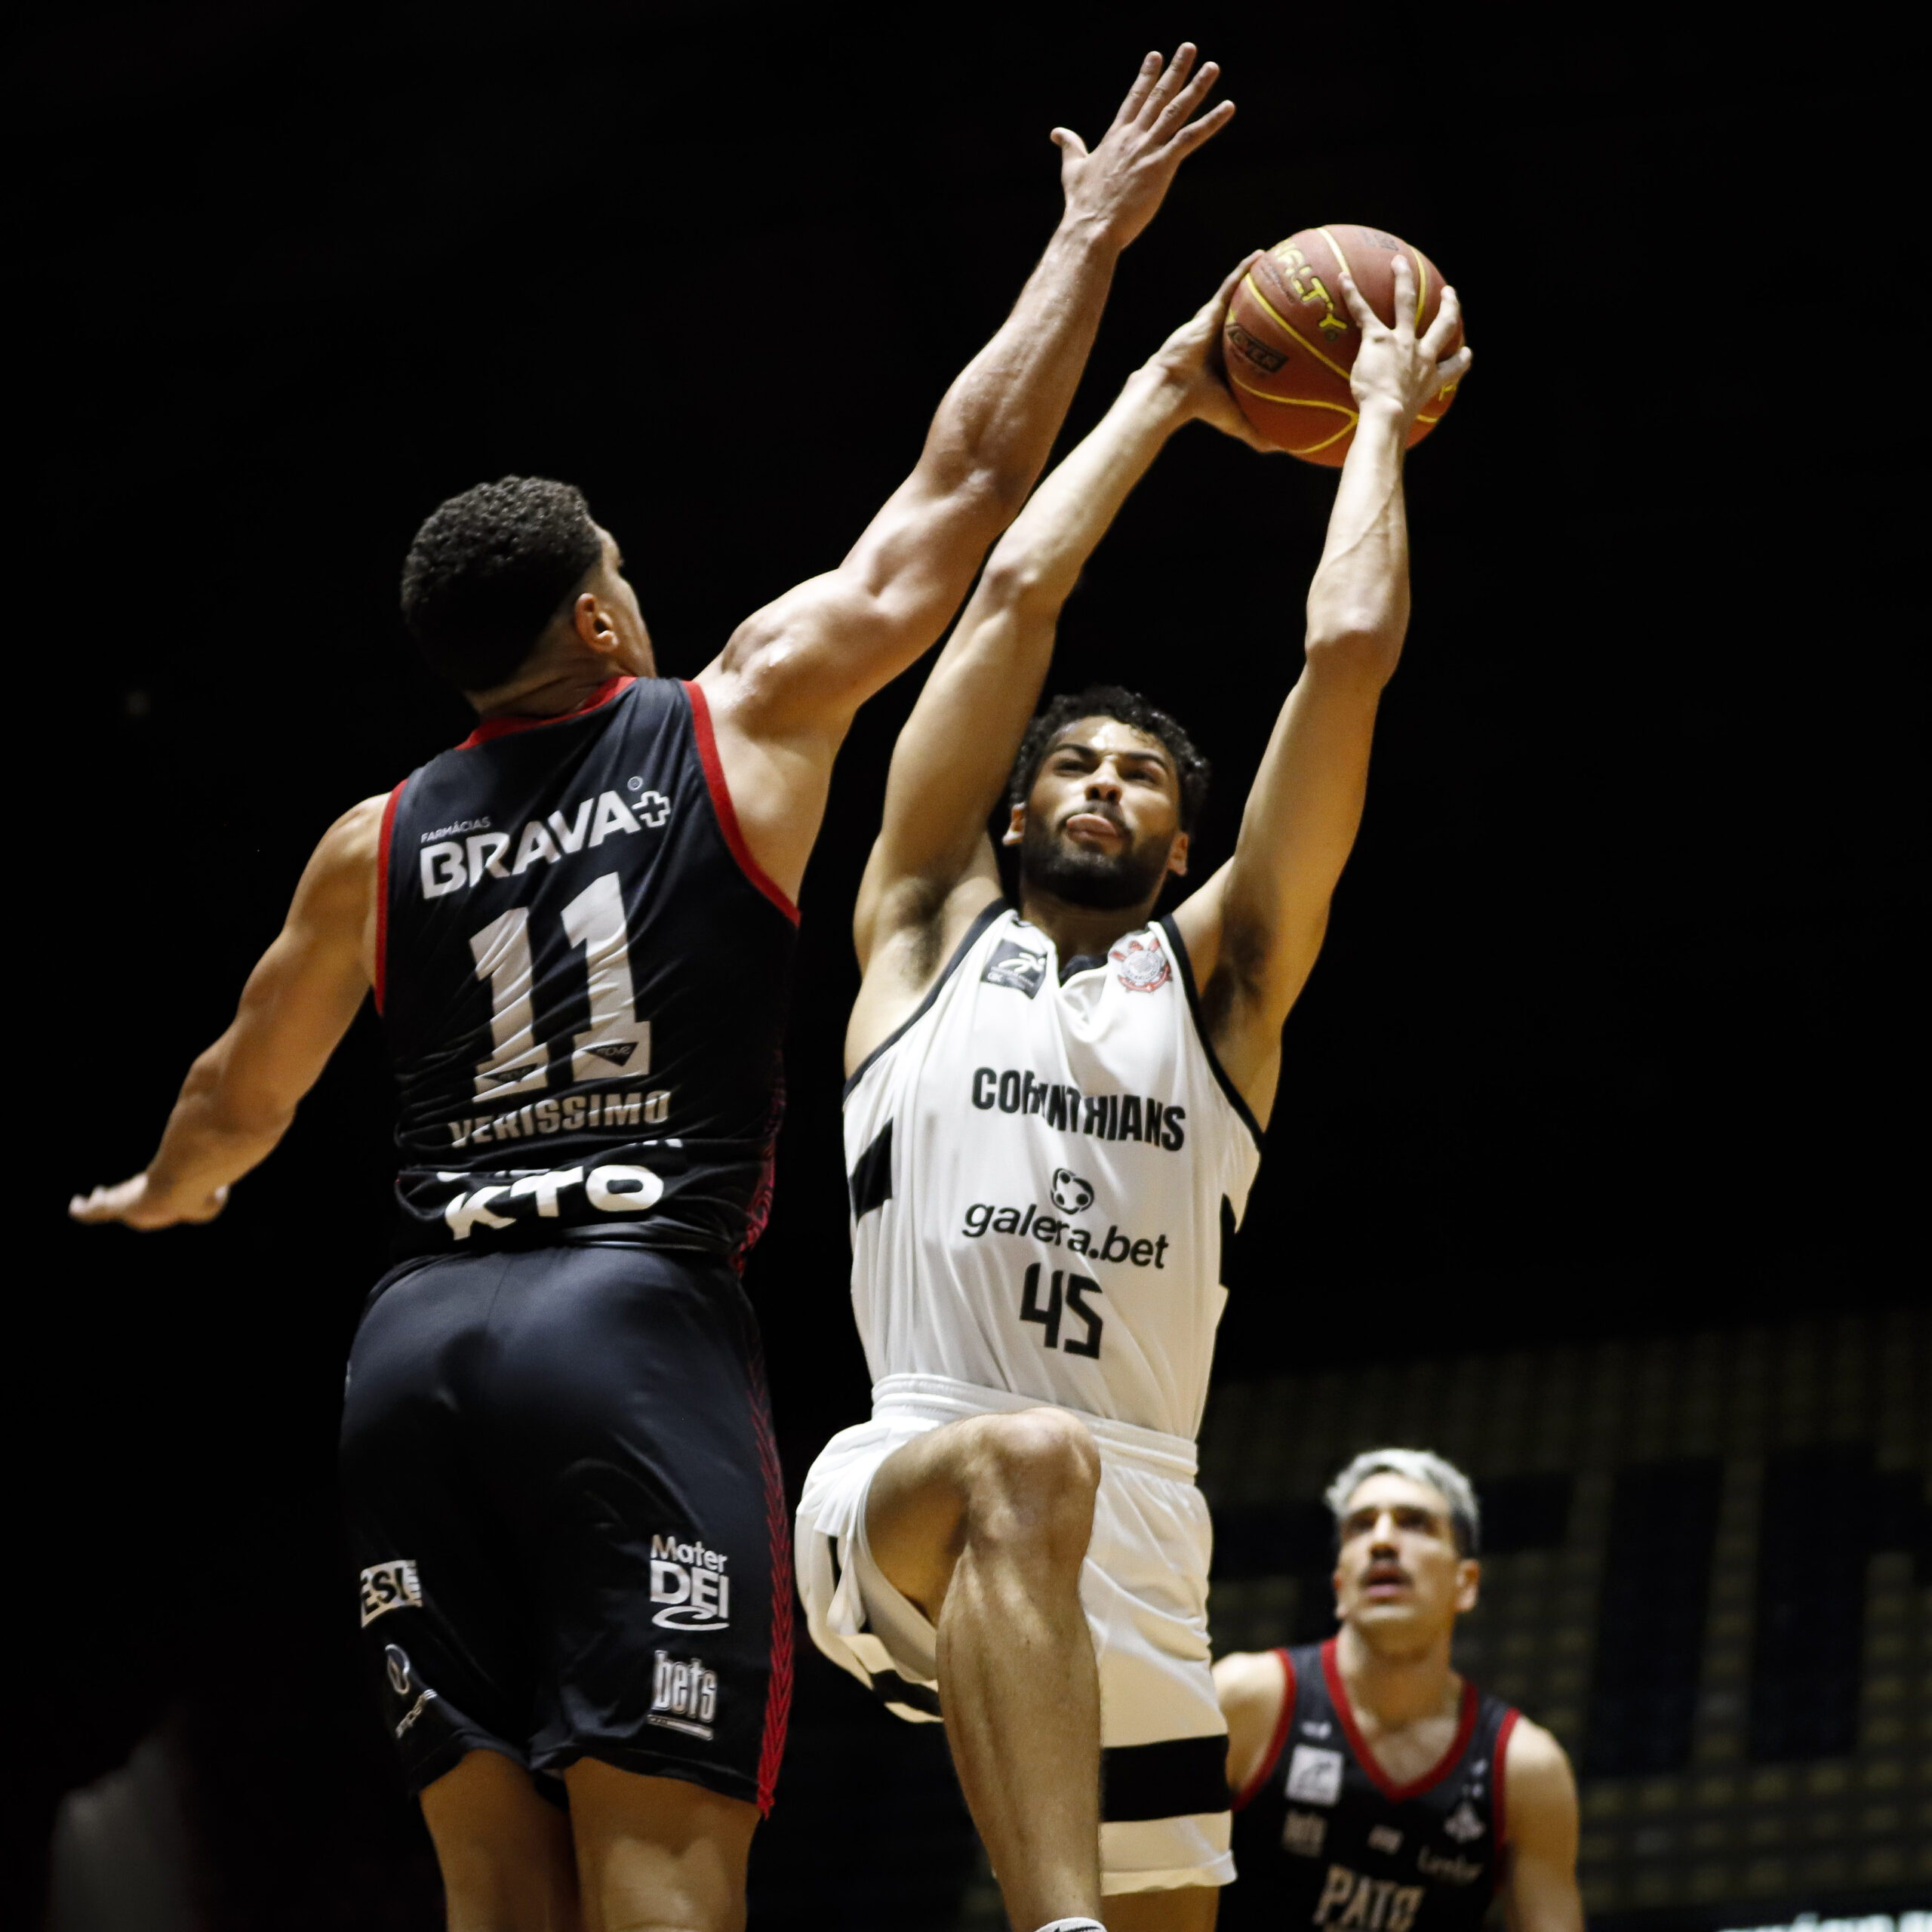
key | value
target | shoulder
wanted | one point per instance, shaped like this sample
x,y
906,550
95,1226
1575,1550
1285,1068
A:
x,y
1541,1788
348,851
359,827
907,965
1250,1680
1254,1688
335,904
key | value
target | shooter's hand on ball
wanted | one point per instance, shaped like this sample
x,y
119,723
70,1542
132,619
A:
x,y
1120,185
1190,361
1394,369
141,1205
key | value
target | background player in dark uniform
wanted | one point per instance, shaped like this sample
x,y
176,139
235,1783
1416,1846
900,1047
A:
x,y
577,925
1374,1788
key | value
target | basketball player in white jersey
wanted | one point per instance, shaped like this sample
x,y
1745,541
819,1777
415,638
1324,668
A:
x,y
1053,1114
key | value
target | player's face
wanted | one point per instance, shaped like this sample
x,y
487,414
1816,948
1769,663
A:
x,y
1398,1573
1102,824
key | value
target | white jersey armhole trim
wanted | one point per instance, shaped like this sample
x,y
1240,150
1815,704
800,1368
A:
x,y
1232,1092
994,908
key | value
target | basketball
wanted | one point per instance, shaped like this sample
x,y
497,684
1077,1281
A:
x,y
1291,341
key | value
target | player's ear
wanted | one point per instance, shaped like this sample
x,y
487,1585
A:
x,y
1177,856
1015,826
592,627
1469,1584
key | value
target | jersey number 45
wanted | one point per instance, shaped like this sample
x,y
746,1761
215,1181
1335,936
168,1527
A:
x,y
1066,1293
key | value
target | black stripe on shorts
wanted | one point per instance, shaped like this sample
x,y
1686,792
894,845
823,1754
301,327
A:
x,y
1175,1779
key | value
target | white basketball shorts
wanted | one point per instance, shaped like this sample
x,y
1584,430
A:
x,y
1165,1811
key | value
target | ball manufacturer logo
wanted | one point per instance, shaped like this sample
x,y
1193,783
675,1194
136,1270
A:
x,y
1142,968
1263,357
1071,1195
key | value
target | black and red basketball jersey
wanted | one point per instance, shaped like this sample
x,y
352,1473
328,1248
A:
x,y
583,976
1322,1838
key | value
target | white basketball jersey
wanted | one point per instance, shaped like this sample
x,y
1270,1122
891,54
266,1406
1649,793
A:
x,y
1042,1175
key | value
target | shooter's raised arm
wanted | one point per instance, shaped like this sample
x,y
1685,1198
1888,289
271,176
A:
x,y
784,689
1253,930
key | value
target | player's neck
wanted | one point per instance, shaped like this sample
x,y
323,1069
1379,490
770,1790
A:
x,y
1078,930
560,679
1392,1685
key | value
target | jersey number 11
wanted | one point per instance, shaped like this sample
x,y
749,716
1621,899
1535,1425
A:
x,y
519,1063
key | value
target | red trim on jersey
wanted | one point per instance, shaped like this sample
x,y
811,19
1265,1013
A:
x,y
778,1525
1498,1818
720,803
1338,1692
504,727
383,895
1282,1722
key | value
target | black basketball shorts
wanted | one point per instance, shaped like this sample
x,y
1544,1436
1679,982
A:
x,y
564,1506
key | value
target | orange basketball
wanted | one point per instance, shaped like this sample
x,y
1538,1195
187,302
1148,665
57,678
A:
x,y
1291,341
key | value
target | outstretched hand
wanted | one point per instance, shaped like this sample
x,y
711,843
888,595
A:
x,y
1191,358
1394,367
1121,183
141,1206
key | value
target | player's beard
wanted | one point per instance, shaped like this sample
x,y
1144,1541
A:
x,y
1078,875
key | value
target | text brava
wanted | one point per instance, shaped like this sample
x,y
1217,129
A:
x,y
450,865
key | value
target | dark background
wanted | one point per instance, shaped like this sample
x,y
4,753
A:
x,y
1609,1035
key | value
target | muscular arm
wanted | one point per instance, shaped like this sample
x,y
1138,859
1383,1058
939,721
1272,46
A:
x,y
784,691
932,869
241,1094
1253,930
1250,1686
1540,1820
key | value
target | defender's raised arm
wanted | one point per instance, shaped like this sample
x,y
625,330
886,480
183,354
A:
x,y
784,689
1253,930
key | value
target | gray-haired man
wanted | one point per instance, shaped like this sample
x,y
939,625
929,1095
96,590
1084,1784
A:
x,y
1373,1787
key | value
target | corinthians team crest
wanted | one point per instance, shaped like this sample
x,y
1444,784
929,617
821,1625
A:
x,y
1143,967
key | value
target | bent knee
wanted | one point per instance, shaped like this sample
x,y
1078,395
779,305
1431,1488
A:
x,y
1036,1461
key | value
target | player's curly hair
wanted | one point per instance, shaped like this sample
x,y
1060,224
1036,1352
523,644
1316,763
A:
x,y
1128,708
489,570
1422,1465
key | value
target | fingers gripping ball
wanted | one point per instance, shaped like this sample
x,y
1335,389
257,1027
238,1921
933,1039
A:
x,y
1291,341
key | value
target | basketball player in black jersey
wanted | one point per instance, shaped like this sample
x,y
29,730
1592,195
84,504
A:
x,y
1374,1788
570,1531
